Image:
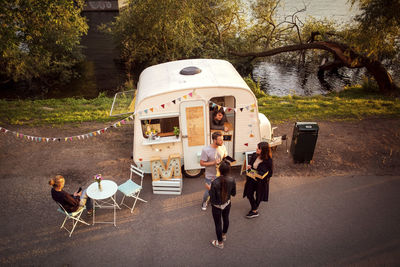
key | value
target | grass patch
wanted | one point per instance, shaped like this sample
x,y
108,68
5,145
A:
x,y
350,104
56,111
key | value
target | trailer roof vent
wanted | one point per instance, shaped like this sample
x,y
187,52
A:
x,y
192,70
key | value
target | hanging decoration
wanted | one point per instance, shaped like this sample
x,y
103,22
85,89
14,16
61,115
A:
x,y
19,135
67,138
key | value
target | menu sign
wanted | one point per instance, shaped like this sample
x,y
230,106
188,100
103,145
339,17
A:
x,y
195,126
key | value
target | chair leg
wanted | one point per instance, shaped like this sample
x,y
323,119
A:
x,y
122,200
136,199
75,221
134,205
66,218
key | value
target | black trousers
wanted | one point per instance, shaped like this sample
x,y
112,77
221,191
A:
x,y
254,202
217,214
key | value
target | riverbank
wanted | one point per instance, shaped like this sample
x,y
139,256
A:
x,y
350,104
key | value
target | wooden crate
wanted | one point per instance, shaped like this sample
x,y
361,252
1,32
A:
x,y
171,186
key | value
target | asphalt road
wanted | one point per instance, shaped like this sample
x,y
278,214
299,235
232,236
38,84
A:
x,y
307,222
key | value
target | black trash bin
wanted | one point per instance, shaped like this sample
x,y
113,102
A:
x,y
304,138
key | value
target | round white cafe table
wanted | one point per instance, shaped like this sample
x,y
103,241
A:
x,y
104,198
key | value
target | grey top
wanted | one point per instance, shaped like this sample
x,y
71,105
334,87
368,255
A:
x,y
210,154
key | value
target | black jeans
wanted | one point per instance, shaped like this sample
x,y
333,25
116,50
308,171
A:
x,y
254,202
217,213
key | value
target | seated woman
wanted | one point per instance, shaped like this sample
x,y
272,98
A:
x,y
70,202
218,119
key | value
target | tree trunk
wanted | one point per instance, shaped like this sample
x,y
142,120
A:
x,y
344,56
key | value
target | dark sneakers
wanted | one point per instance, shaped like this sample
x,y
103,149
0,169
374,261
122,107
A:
x,y
251,215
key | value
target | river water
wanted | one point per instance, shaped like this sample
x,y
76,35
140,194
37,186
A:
x,y
279,76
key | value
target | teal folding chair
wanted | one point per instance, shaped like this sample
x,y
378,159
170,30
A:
x,y
132,189
74,216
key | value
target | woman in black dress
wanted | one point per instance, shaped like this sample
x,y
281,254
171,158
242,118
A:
x,y
261,163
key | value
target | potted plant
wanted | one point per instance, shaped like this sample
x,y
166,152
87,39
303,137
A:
x,y
176,131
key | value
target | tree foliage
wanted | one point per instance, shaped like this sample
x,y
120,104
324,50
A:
x,y
40,39
155,31
377,31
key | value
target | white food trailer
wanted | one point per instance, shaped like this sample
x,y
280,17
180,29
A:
x,y
180,95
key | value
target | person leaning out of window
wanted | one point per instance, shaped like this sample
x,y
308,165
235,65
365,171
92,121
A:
x,y
218,120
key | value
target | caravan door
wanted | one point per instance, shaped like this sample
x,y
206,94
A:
x,y
193,132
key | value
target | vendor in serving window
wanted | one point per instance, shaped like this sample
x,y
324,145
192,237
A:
x,y
218,120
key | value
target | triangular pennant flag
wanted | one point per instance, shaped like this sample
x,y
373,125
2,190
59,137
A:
x,y
253,105
123,121
66,139
70,138
54,139
174,101
145,111
241,109
190,94
94,133
131,117
213,105
229,109
21,136
40,139
163,105
79,137
98,131
251,135
224,109
47,139
247,107
17,135
179,99
219,107
252,110
151,109
185,96
119,123
246,144
90,134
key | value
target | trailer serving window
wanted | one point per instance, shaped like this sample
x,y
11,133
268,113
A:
x,y
161,129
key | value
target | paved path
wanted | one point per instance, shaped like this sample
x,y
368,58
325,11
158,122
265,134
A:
x,y
308,221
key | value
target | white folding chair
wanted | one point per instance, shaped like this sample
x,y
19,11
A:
x,y
74,216
132,189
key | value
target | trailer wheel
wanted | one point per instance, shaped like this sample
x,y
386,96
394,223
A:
x,y
192,173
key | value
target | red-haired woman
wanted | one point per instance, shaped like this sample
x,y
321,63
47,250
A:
x,y
261,162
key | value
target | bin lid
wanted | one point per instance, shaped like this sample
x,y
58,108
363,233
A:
x,y
307,126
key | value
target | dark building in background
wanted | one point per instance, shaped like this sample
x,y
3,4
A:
x,y
102,58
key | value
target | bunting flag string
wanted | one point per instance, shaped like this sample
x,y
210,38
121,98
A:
x,y
247,107
161,107
67,138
